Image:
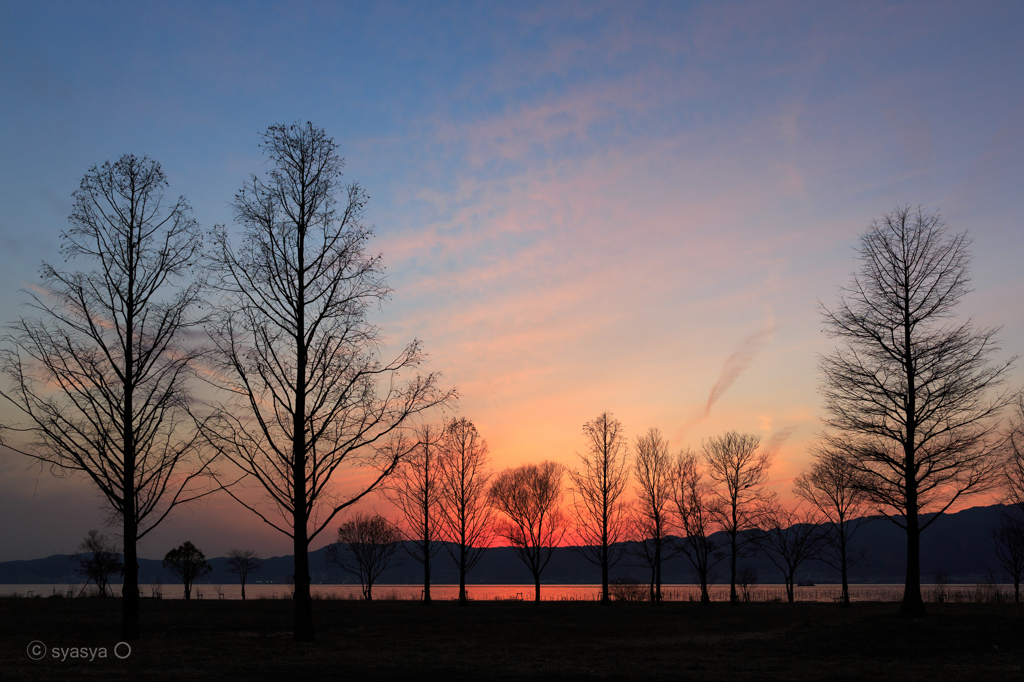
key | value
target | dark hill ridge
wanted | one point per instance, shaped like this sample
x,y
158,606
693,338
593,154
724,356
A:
x,y
957,545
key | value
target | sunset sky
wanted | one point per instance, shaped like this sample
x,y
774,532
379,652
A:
x,y
582,206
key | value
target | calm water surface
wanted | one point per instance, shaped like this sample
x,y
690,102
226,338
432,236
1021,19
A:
x,y
819,593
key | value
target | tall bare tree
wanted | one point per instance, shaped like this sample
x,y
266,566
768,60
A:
x,y
830,485
652,469
242,562
789,538
102,376
911,392
600,514
415,489
311,394
529,496
365,546
699,510
466,516
739,472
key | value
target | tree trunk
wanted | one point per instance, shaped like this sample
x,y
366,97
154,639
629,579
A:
x,y
303,598
605,592
536,593
790,580
243,589
463,597
845,601
657,577
651,590
130,589
913,603
426,572
733,597
130,592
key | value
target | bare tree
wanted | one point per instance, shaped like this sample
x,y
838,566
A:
x,y
299,354
831,486
242,562
188,564
910,392
103,560
699,511
415,489
652,468
739,472
600,515
789,538
747,578
467,518
102,376
1009,544
365,546
529,496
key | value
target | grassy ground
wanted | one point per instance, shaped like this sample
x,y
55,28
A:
x,y
518,640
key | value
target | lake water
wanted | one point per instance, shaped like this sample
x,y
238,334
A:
x,y
760,593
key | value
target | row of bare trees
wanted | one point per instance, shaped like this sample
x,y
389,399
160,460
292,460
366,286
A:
x,y
446,497
440,491
145,306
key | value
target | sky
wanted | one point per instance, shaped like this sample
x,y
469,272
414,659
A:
x,y
582,207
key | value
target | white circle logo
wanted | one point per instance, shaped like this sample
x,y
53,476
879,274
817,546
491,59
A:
x,y
122,647
36,650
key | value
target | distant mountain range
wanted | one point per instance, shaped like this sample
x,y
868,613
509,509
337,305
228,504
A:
x,y
957,546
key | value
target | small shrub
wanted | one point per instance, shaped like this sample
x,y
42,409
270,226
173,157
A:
x,y
627,589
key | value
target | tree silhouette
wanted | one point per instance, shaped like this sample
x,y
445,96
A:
x,y
188,564
297,351
365,546
739,472
789,538
910,393
242,562
1009,544
415,489
652,469
465,514
103,560
102,376
699,510
600,515
534,524
831,486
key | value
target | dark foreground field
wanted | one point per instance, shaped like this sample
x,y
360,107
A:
x,y
516,640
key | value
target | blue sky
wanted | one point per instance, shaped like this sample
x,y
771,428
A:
x,y
582,206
